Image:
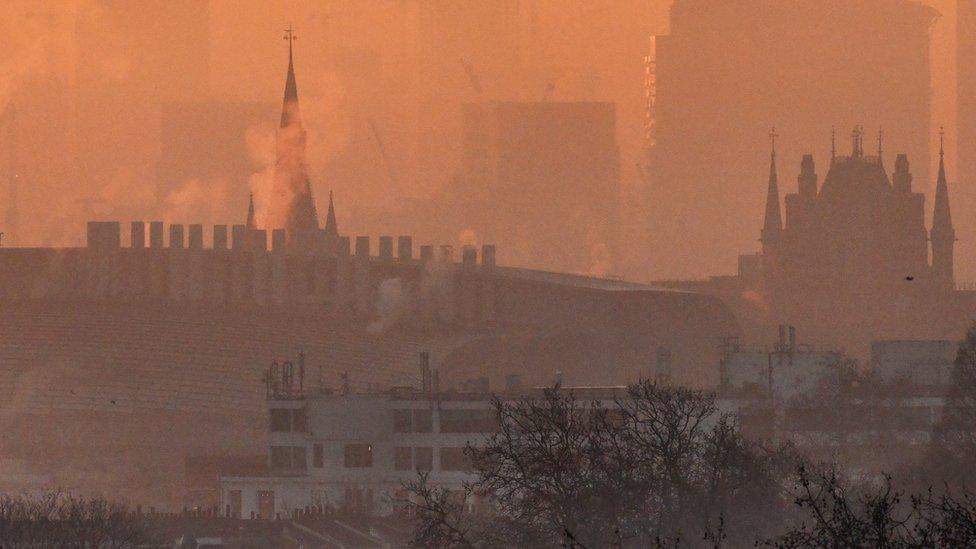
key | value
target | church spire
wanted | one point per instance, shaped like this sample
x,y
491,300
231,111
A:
x,y
773,223
331,226
251,224
290,205
943,235
290,114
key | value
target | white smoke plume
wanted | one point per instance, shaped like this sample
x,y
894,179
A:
x,y
391,304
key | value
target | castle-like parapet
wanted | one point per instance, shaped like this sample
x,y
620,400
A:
x,y
372,279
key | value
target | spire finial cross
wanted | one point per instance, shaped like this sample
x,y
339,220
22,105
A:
x,y
290,37
772,138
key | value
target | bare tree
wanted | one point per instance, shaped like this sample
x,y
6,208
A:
x,y
59,519
657,467
837,513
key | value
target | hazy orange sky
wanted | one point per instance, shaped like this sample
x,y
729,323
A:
x,y
358,69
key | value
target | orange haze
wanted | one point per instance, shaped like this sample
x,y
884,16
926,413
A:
x,y
102,96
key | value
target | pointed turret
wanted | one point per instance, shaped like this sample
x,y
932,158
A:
x,y
251,224
942,235
331,226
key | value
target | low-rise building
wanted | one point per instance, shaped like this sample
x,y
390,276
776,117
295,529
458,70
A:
x,y
786,371
354,451
918,363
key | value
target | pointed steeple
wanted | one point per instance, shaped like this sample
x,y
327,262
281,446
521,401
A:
x,y
290,113
331,226
251,223
942,235
941,216
291,206
773,223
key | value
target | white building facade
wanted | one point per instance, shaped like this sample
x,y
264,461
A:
x,y
355,451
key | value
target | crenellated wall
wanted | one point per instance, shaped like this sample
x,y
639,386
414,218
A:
x,y
244,271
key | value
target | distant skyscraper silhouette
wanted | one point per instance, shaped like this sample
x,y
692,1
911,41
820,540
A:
x,y
965,195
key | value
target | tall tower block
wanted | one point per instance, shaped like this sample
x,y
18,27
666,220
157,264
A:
x,y
965,197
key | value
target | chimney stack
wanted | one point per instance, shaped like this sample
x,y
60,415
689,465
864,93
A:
x,y
138,235
386,248
156,234
220,237
196,236
404,248
176,236
362,246
488,256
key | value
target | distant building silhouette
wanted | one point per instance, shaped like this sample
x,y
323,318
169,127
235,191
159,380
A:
x,y
858,232
729,70
965,198
467,51
541,179
851,261
131,59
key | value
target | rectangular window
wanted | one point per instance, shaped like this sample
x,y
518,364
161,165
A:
x,y
280,420
298,460
358,456
402,421
422,421
280,457
299,421
468,421
424,459
454,459
288,457
318,460
402,459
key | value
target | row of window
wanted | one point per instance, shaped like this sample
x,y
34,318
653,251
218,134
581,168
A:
x,y
288,458
360,456
422,459
452,421
287,420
